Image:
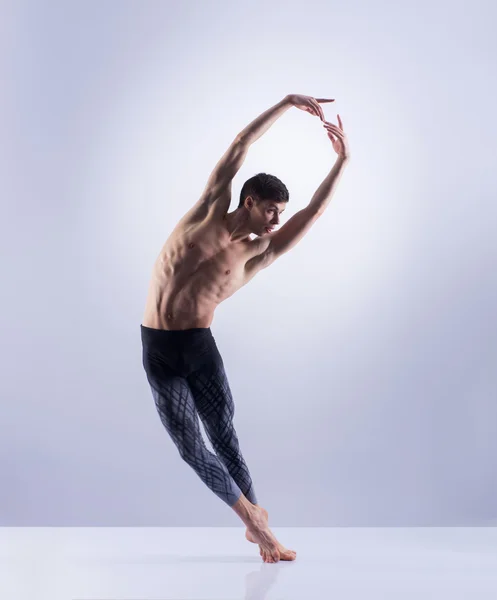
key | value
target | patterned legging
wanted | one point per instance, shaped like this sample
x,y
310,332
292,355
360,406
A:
x,y
187,377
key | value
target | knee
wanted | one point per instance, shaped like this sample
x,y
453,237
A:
x,y
188,452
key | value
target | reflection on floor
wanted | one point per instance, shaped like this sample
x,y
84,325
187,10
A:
x,y
219,563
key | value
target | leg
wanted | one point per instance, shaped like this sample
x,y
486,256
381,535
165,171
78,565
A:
x,y
214,402
169,359
176,408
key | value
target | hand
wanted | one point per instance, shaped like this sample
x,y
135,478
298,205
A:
x,y
309,104
340,143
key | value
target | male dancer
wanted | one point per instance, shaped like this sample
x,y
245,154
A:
x,y
207,258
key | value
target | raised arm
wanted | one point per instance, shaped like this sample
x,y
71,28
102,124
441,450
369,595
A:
x,y
218,186
300,223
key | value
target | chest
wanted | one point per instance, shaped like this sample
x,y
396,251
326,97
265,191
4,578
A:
x,y
207,250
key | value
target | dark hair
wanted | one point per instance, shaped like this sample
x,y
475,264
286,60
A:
x,y
264,187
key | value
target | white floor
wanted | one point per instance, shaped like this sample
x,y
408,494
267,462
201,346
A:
x,y
219,564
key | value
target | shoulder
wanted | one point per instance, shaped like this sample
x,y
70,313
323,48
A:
x,y
204,215
208,208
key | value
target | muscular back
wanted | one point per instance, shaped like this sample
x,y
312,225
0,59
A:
x,y
197,268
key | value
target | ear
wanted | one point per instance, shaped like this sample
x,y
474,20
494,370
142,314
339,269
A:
x,y
249,203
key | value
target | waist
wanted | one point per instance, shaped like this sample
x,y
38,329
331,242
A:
x,y
150,334
180,321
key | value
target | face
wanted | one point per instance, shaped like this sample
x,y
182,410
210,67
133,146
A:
x,y
265,216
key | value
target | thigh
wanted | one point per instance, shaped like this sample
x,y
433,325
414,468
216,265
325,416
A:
x,y
176,407
212,395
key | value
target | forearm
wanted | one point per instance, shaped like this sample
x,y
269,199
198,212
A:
x,y
263,122
325,191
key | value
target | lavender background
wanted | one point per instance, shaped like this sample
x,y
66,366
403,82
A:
x,y
362,363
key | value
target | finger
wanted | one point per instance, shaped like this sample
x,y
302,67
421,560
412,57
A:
x,y
334,128
318,108
313,110
337,135
340,122
338,132
328,124
330,135
324,100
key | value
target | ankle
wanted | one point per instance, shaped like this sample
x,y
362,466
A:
x,y
247,511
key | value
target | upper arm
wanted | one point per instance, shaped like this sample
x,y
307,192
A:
x,y
224,171
269,247
290,233
217,192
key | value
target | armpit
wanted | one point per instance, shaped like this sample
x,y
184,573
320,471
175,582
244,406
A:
x,y
259,261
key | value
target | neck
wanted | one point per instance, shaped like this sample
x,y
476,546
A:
x,y
237,225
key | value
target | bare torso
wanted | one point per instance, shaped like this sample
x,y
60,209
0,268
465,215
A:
x,y
198,267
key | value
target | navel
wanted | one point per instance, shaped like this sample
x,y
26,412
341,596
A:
x,y
228,272
191,245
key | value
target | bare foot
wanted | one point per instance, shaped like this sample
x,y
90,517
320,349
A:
x,y
268,544
285,554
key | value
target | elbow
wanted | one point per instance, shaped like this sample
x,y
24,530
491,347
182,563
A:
x,y
243,140
315,209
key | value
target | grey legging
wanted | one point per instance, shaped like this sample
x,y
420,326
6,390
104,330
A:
x,y
187,377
